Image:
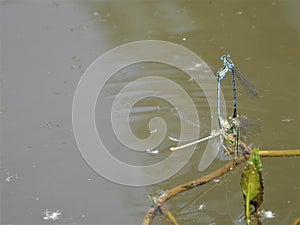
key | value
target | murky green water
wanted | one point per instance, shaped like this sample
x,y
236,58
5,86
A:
x,y
46,46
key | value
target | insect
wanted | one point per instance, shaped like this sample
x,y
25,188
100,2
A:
x,y
227,128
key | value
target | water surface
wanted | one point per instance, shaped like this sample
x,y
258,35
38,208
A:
x,y
46,46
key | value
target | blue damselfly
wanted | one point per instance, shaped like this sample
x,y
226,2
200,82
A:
x,y
232,125
229,66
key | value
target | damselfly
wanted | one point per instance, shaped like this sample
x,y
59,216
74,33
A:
x,y
235,124
232,126
229,66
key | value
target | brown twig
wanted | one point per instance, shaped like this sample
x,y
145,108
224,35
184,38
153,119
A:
x,y
279,153
169,215
215,174
150,215
297,221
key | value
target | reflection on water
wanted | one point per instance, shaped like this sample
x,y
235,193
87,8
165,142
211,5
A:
x,y
51,43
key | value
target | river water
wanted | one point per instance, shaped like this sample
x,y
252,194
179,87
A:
x,y
46,46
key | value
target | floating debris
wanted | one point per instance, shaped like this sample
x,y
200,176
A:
x,y
49,125
173,139
75,59
269,214
153,131
152,151
202,207
216,180
76,67
35,198
287,120
51,214
194,67
11,177
266,214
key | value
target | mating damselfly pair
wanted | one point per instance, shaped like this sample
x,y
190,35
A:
x,y
231,127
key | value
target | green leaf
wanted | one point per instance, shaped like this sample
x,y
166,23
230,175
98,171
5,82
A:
x,y
250,182
251,186
255,159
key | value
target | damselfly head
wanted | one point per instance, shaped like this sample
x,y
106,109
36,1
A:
x,y
224,57
227,61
